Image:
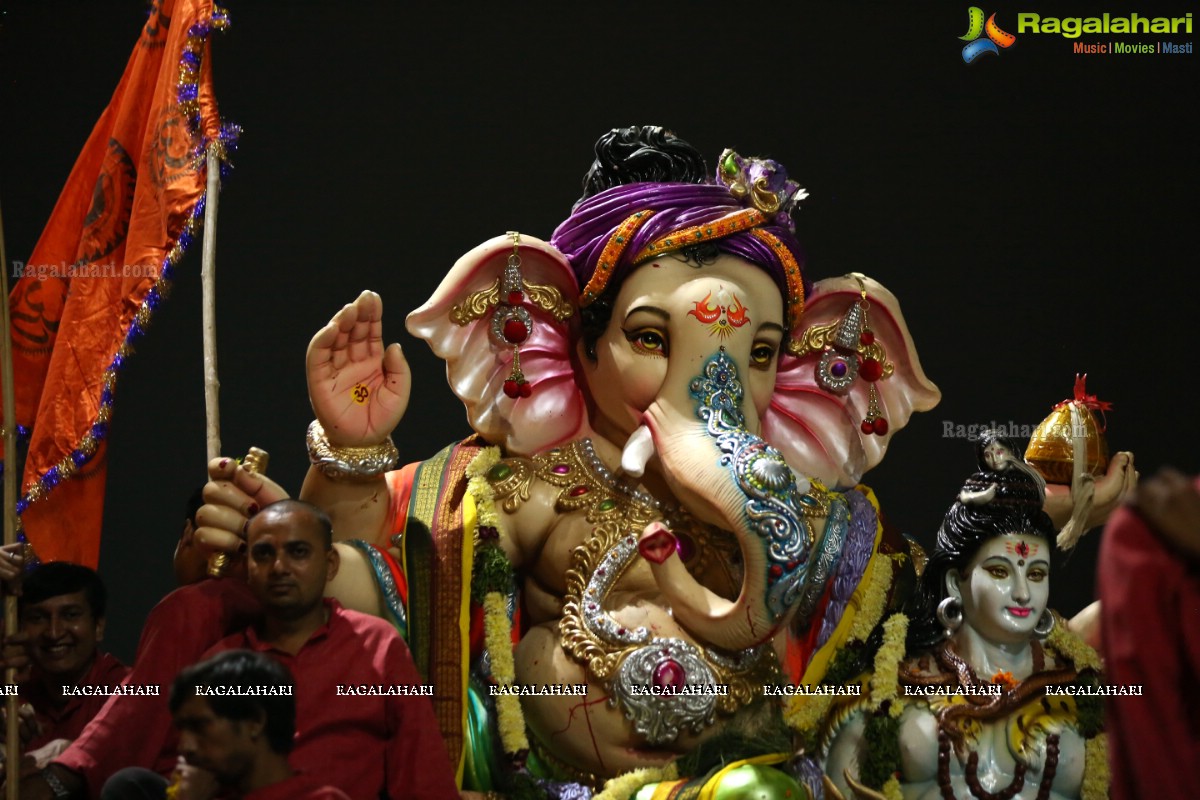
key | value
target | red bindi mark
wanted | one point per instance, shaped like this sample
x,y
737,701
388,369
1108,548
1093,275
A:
x,y
1022,549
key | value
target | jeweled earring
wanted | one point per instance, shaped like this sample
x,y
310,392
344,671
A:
x,y
849,352
1045,625
838,366
950,615
511,324
872,367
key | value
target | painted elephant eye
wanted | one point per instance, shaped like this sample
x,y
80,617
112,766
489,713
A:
x,y
647,341
762,355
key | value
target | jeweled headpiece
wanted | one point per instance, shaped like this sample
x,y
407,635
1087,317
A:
x,y
746,212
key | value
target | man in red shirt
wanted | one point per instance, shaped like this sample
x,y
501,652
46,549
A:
x,y
62,609
237,720
1148,575
363,723
137,730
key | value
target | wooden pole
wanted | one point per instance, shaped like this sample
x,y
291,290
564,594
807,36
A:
x,y
208,280
12,728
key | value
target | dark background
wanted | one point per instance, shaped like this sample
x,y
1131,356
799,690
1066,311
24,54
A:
x,y
1031,211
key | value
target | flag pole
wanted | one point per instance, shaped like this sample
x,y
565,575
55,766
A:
x,y
12,789
208,279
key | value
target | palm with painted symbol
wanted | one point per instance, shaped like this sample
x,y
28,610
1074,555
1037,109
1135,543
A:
x,y
359,390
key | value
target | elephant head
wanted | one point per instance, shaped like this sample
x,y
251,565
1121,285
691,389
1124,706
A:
x,y
702,379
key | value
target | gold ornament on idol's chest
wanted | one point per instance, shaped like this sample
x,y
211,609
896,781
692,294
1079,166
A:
x,y
1051,447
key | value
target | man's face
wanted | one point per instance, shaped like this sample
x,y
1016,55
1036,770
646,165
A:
x,y
288,564
224,747
62,634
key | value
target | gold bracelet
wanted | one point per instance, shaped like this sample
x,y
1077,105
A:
x,y
349,463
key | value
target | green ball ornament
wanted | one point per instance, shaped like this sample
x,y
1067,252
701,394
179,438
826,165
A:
x,y
758,782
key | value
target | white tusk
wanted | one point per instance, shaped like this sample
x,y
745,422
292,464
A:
x,y
637,452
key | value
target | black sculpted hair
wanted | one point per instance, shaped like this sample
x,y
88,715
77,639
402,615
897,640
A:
x,y
636,154
642,153
62,577
243,668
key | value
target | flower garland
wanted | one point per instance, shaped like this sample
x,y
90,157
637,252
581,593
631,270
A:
x,y
1096,778
892,790
884,685
804,713
497,637
874,599
626,784
1067,644
480,488
491,584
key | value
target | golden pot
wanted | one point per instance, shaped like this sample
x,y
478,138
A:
x,y
1052,450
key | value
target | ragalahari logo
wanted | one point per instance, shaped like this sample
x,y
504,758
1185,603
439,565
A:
x,y
976,28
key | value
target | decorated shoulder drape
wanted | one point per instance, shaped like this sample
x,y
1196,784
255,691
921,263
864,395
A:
x,y
131,206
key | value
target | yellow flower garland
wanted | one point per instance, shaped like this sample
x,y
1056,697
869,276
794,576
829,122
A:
x,y
892,790
884,685
497,636
1096,779
626,784
480,488
874,599
1067,644
804,713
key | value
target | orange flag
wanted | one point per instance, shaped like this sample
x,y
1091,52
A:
x,y
132,204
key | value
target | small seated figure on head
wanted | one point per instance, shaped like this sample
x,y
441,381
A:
x,y
975,691
244,739
62,607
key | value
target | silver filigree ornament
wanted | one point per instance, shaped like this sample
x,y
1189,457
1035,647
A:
x,y
664,688
595,619
764,477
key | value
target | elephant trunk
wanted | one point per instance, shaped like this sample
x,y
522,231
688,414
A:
x,y
729,477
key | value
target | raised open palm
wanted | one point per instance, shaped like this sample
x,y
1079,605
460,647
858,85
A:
x,y
358,389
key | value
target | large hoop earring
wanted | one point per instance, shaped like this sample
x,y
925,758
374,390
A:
x,y
950,615
1045,625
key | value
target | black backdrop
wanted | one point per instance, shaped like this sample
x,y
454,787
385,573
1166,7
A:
x,y
1032,211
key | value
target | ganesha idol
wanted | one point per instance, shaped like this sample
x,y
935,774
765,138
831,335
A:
x,y
661,503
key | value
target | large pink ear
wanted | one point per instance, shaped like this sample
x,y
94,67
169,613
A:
x,y
819,431
464,324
